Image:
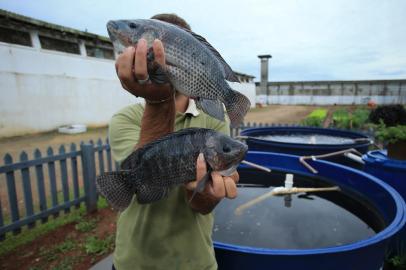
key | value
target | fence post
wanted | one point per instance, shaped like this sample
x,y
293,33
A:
x,y
89,176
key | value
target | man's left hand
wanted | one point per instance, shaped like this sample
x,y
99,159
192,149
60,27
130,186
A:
x,y
218,188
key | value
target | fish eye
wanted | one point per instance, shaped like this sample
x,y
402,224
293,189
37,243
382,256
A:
x,y
132,25
226,148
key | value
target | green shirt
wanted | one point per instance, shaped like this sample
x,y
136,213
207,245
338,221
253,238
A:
x,y
166,234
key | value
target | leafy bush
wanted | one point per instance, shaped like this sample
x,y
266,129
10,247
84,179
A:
x,y
396,263
391,115
360,117
341,118
315,118
390,134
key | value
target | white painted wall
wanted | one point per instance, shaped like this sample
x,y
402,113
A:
x,y
41,90
248,89
334,92
328,100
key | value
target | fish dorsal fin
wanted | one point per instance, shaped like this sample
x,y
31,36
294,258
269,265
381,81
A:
x,y
229,73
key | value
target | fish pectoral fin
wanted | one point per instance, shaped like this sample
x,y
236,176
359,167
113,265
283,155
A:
x,y
201,184
149,194
213,108
116,188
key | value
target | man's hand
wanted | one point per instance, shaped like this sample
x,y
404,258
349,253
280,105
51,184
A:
x,y
131,67
220,187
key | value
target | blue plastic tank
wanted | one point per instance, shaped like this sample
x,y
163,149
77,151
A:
x,y
393,172
304,149
367,254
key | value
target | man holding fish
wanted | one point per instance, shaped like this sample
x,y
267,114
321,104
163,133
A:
x,y
174,232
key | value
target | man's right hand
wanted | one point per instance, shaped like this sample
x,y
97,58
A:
x,y
131,66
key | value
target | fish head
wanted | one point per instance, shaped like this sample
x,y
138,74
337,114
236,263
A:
x,y
223,153
125,33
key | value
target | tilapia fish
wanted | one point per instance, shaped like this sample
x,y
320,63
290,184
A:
x,y
193,66
151,171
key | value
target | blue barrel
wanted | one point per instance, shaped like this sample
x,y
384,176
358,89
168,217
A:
x,y
367,254
393,172
302,149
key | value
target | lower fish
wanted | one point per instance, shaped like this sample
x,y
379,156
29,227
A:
x,y
152,170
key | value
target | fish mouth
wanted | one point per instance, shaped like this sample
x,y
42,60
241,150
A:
x,y
118,35
113,30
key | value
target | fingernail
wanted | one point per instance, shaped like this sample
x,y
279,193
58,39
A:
x,y
142,41
200,157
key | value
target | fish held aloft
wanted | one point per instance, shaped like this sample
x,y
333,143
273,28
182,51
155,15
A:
x,y
151,171
193,66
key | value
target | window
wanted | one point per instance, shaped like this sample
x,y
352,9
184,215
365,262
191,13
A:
x,y
99,52
59,45
15,37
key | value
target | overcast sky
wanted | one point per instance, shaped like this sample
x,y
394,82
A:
x,y
308,39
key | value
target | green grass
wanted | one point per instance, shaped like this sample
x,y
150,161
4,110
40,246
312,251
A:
x,y
67,263
50,254
345,120
360,117
319,113
96,246
398,261
28,235
315,118
342,119
86,225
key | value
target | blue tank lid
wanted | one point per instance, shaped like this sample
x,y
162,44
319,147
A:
x,y
380,158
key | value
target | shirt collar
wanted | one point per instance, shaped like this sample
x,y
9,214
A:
x,y
191,108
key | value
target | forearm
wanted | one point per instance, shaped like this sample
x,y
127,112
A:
x,y
157,121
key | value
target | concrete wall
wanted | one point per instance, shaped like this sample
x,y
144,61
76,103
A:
x,y
41,90
334,92
248,89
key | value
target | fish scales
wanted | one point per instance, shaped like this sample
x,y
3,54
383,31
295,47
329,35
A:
x,y
152,170
161,162
193,66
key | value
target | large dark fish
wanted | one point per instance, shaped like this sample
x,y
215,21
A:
x,y
150,171
193,66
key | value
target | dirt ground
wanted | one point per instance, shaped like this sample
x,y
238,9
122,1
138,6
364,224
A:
x,y
279,114
68,247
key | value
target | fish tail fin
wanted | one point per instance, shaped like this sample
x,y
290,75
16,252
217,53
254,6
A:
x,y
213,108
237,106
116,188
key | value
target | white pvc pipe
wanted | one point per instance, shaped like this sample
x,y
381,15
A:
x,y
354,158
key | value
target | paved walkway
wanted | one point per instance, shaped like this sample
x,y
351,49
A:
x,y
104,264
